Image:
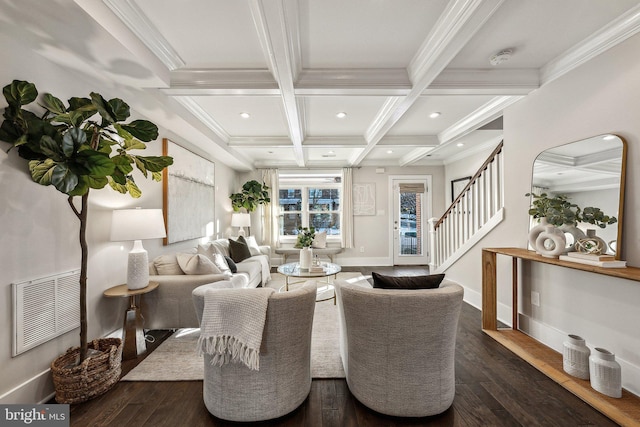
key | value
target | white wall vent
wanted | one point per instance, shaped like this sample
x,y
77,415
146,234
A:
x,y
44,308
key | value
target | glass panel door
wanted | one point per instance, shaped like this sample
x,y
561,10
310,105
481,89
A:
x,y
410,222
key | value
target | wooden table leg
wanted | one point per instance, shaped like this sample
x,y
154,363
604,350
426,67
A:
x,y
133,332
489,291
514,293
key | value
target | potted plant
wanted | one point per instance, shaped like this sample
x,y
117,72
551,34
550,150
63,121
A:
x,y
253,194
85,145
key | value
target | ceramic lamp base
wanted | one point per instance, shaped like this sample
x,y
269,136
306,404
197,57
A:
x,y
138,268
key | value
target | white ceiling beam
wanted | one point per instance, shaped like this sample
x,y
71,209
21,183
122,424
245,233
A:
x,y
136,20
478,118
199,112
483,81
414,155
618,30
350,82
277,27
455,27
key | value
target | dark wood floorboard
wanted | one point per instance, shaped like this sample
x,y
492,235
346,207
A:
x,y
494,387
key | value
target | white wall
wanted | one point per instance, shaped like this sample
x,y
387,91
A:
x,y
602,96
39,231
461,168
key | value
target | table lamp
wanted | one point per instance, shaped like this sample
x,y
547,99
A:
x,y
241,220
137,225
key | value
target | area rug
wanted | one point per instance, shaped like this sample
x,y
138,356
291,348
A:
x,y
176,358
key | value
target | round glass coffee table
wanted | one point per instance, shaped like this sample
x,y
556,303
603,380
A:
x,y
293,270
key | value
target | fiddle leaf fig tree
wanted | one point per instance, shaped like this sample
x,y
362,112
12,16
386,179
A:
x,y
253,194
77,147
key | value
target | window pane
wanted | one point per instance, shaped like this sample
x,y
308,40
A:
x,y
329,222
291,200
324,199
289,224
410,224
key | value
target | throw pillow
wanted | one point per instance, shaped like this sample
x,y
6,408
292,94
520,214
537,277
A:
x,y
232,265
207,250
167,265
253,245
320,240
196,264
221,263
407,282
239,250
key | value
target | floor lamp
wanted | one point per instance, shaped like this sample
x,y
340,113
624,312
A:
x,y
137,225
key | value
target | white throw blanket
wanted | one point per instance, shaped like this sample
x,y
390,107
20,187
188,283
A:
x,y
232,325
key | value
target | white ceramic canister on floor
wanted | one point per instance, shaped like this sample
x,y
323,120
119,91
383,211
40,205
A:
x,y
605,372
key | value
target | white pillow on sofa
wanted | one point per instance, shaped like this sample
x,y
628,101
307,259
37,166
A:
x,y
167,265
196,264
320,240
253,245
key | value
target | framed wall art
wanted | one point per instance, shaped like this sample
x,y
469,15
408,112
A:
x,y
364,199
188,194
457,185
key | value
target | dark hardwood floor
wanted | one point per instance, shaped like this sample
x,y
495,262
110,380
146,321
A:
x,y
494,387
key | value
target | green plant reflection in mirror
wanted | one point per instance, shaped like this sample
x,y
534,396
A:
x,y
590,173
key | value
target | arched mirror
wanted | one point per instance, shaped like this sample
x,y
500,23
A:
x,y
590,173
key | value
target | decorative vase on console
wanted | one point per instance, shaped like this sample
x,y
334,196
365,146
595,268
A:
x,y
551,242
606,375
575,357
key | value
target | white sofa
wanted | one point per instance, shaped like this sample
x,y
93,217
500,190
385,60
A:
x,y
170,306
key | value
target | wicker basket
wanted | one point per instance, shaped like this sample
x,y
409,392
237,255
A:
x,y
95,376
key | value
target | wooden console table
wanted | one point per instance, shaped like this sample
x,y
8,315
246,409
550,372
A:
x,y
626,410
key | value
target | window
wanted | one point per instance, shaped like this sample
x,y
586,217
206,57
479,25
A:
x,y
310,200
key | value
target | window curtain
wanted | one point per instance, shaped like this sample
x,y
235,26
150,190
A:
x,y
271,212
347,208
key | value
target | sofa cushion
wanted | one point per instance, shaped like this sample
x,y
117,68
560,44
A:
x,y
252,244
320,240
220,262
196,264
167,265
231,264
249,267
407,282
207,250
238,250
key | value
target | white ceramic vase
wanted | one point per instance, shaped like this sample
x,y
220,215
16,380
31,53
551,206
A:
x,y
551,242
605,372
535,232
306,255
575,357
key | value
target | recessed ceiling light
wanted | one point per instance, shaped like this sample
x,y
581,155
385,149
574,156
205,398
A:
x,y
245,115
270,152
609,137
460,144
341,115
331,152
389,151
434,115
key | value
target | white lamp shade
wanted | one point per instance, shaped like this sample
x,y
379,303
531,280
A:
x,y
240,220
137,224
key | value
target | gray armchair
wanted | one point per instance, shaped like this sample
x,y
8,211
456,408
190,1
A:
x,y
398,346
236,393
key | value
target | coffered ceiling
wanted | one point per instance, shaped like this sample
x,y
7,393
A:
x,y
292,65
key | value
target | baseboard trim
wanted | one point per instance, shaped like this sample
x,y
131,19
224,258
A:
x,y
38,388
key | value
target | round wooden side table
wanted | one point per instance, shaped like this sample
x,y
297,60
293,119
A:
x,y
133,329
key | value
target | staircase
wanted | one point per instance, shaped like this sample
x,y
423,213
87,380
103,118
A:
x,y
473,214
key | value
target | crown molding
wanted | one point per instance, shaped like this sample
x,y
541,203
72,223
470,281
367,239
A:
x,y
135,19
480,117
353,81
618,30
198,112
